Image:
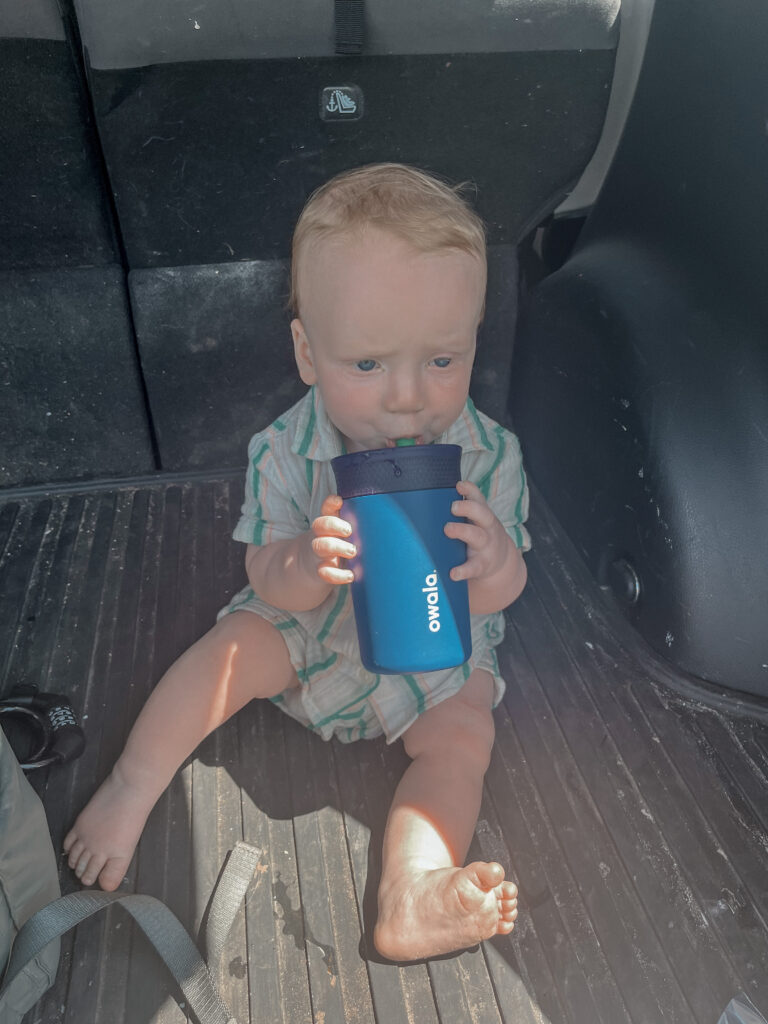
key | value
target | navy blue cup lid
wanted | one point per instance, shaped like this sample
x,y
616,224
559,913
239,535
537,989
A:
x,y
385,470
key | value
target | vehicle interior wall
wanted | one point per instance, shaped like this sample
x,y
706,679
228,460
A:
x,y
640,385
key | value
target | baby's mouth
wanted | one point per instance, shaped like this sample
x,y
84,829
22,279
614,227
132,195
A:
x,y
396,442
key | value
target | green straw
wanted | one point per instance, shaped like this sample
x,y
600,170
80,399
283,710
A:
x,y
403,442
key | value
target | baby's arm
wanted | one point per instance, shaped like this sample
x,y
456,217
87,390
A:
x,y
297,574
495,570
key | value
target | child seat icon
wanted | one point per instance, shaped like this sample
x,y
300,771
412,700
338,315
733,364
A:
x,y
341,103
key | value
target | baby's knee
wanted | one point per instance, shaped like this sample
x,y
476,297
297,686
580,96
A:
x,y
249,652
460,730
235,627
242,636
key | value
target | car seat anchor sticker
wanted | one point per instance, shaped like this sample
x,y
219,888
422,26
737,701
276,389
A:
x,y
341,103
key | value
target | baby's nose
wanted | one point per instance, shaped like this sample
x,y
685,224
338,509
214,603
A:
x,y
404,393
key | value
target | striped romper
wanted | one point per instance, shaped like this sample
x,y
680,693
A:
x,y
289,476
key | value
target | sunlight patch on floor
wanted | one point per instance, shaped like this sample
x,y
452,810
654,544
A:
x,y
516,994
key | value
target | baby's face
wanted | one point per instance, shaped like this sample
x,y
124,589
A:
x,y
388,335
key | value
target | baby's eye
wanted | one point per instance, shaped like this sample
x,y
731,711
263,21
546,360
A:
x,y
366,365
442,362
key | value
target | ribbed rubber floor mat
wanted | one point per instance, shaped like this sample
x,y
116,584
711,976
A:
x,y
629,806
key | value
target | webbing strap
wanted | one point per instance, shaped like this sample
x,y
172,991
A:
x,y
161,926
350,26
228,895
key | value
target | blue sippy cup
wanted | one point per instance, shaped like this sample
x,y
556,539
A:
x,y
410,615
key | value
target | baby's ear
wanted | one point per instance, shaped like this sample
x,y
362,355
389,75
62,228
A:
x,y
303,353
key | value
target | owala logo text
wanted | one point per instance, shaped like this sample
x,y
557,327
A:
x,y
433,608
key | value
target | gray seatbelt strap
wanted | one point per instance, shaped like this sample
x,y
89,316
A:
x,y
227,896
159,924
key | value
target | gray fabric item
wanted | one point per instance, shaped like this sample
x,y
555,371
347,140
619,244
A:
x,y
163,929
28,880
159,924
134,33
227,896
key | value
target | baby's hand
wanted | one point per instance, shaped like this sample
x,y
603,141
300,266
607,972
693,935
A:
x,y
328,543
485,537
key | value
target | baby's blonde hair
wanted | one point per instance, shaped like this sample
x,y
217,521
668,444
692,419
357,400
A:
x,y
416,207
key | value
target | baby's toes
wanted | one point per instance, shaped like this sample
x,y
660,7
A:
x,y
508,890
75,851
113,874
90,873
505,927
81,863
508,911
506,905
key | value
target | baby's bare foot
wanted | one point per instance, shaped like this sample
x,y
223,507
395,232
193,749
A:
x,y
101,842
444,910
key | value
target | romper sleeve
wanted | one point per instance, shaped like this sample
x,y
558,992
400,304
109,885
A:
x,y
274,493
501,477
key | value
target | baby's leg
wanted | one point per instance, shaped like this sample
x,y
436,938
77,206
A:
x,y
428,903
242,657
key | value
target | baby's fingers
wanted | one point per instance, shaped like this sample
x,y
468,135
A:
x,y
333,574
470,491
473,568
473,536
331,505
476,511
328,547
328,523
329,544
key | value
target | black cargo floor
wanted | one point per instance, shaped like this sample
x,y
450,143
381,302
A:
x,y
629,806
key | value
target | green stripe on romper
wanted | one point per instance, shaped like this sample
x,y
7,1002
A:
x,y
339,714
288,624
319,666
420,705
333,614
258,533
362,730
519,539
485,483
309,433
309,470
243,600
480,428
355,715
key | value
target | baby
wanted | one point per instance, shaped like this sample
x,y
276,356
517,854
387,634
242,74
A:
x,y
388,286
